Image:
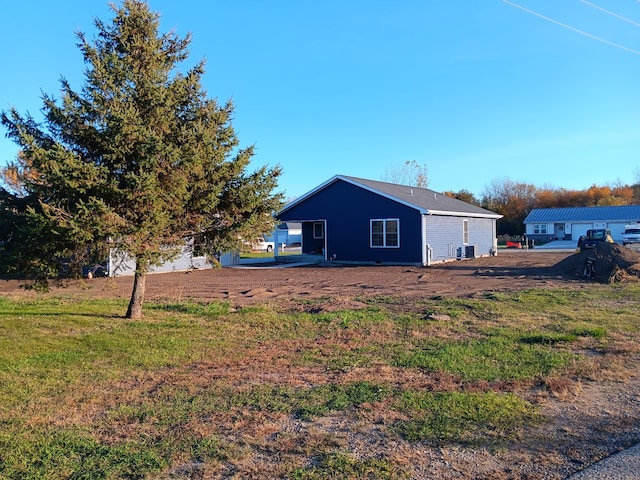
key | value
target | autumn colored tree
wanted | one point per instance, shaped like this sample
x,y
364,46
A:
x,y
513,200
464,195
139,160
635,200
550,198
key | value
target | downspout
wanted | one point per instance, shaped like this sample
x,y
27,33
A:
x,y
326,241
110,270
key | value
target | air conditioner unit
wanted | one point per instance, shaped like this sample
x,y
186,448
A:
x,y
470,251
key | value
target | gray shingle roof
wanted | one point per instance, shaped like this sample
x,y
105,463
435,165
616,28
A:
x,y
430,201
627,213
425,200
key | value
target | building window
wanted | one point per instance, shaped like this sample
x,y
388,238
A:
x,y
465,232
540,229
385,233
318,229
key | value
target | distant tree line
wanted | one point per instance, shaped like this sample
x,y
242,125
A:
x,y
514,200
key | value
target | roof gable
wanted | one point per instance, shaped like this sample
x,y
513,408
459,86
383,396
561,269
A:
x,y
428,202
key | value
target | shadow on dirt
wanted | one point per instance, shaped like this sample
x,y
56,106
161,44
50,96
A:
x,y
607,263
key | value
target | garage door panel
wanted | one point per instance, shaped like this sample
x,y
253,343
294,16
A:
x,y
579,229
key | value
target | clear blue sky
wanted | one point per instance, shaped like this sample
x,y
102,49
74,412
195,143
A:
x,y
477,90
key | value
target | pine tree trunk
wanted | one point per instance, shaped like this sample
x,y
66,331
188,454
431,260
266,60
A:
x,y
137,296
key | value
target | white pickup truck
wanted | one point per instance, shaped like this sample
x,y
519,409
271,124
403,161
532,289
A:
x,y
631,234
263,245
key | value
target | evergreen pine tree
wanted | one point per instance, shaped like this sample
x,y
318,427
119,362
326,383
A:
x,y
139,160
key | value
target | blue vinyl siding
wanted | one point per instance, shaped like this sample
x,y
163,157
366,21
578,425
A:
x,y
347,206
348,210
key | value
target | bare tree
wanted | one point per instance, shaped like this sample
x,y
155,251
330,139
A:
x,y
410,173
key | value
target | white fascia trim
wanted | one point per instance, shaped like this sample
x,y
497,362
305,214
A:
x,y
463,214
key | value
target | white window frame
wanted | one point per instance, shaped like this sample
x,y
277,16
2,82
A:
x,y
385,222
465,232
540,229
321,228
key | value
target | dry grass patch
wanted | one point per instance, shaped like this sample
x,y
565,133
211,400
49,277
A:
x,y
200,390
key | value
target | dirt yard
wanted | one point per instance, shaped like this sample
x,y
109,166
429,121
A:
x,y
590,423
266,282
241,286
510,270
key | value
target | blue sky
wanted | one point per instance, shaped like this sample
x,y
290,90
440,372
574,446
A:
x,y
476,90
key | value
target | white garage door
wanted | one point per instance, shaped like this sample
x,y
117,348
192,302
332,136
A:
x,y
617,229
579,229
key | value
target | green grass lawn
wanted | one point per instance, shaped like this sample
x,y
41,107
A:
x,y
286,253
197,387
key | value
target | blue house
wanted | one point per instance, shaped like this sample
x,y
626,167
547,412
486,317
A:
x,y
354,220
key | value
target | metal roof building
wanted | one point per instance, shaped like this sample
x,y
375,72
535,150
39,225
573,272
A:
x,y
571,223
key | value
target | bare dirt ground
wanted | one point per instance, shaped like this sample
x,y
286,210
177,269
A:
x,y
509,271
585,422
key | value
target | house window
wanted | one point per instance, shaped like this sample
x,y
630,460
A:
x,y
540,229
385,233
318,229
465,232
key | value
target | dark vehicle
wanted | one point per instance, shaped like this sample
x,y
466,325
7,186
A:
x,y
95,271
594,237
